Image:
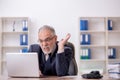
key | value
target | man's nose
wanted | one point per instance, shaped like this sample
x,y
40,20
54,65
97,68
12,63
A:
x,y
44,43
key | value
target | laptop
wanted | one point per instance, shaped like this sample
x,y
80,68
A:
x,y
22,64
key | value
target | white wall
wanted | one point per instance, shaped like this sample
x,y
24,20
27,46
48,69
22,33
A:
x,y
61,14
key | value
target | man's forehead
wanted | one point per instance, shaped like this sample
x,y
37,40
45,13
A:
x,y
45,33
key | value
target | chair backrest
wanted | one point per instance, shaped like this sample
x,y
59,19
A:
x,y
69,44
73,70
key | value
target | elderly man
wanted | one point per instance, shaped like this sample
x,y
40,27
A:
x,y
54,57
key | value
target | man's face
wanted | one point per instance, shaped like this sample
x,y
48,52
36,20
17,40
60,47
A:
x,y
47,41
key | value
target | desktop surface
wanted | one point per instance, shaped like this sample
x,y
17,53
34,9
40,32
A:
x,y
54,78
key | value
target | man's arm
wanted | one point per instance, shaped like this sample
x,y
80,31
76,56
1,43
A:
x,y
63,58
63,61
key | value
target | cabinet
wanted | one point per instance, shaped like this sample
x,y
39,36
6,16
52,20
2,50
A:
x,y
11,30
104,35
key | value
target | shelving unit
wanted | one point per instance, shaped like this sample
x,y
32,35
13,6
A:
x,y
101,41
97,31
10,30
114,38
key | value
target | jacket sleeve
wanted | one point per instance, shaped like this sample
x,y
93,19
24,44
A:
x,y
34,48
63,61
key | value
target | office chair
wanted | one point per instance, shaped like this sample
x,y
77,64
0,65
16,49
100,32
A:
x,y
73,70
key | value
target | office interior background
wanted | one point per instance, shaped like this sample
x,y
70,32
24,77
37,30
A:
x,y
63,15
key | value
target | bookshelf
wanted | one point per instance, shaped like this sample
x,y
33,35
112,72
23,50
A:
x,y
114,39
104,43
93,54
11,28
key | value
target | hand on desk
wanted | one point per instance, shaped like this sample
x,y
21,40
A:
x,y
41,75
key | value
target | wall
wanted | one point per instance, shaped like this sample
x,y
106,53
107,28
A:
x,y
61,14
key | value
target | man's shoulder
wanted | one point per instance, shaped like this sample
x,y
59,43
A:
x,y
35,48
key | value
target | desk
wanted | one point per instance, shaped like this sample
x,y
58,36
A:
x,y
54,78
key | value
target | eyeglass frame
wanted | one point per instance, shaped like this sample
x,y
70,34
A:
x,y
47,40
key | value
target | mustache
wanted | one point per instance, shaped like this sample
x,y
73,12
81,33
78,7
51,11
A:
x,y
46,47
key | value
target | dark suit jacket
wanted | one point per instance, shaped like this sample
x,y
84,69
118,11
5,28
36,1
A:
x,y
57,64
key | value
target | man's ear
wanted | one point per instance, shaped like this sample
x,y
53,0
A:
x,y
55,37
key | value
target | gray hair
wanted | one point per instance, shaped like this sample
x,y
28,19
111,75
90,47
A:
x,y
47,27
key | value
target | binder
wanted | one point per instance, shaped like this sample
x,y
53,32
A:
x,y
81,56
25,25
83,24
112,53
87,39
24,50
89,53
23,39
85,53
110,26
82,39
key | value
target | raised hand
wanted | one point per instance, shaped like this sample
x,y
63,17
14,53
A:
x,y
62,42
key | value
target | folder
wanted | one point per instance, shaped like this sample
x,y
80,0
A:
x,y
82,39
85,53
23,39
83,24
24,50
25,25
85,39
110,26
89,53
82,54
112,53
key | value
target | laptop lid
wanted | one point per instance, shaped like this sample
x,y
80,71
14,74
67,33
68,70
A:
x,y
22,64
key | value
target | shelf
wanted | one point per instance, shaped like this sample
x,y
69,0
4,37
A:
x,y
114,59
114,31
114,45
12,32
93,60
92,46
91,31
15,46
104,36
15,32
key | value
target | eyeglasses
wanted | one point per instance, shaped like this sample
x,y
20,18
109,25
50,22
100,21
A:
x,y
46,40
